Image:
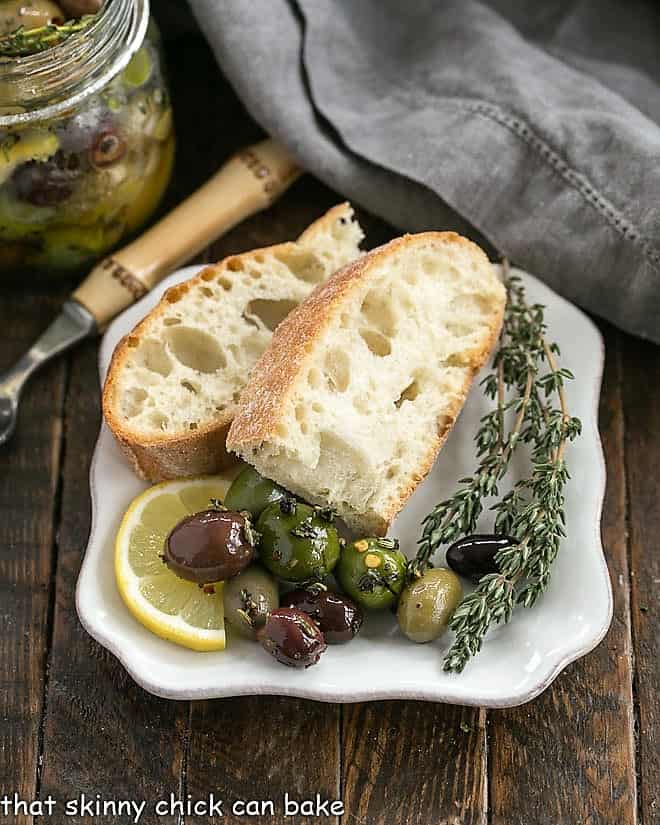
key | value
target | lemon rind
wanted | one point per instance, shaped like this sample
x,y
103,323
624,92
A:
x,y
171,628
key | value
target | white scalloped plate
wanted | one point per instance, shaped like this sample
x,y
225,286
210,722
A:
x,y
518,660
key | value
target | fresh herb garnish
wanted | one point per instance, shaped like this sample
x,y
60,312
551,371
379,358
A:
x,y
24,42
371,579
526,381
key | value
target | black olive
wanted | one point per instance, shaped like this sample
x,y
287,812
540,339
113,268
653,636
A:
x,y
210,546
47,183
339,618
108,148
292,638
474,556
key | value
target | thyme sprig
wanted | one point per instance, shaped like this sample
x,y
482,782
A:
x,y
527,383
23,42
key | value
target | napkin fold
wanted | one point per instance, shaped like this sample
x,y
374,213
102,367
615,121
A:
x,y
538,124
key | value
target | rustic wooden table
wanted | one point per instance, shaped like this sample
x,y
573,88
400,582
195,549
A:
x,y
72,721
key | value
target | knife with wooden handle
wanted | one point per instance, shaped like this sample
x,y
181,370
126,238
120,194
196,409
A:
x,y
248,183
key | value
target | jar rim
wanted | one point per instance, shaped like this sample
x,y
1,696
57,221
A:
x,y
106,49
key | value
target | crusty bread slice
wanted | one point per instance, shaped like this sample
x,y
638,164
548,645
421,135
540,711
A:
x,y
174,382
358,390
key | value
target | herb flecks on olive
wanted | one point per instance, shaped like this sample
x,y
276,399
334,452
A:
x,y
427,604
372,571
297,545
474,556
249,598
326,514
339,618
210,546
252,492
292,638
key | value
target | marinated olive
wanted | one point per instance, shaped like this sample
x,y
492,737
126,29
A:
x,y
210,546
298,542
292,638
339,618
73,185
30,15
107,149
252,492
372,571
47,183
427,604
77,8
249,598
474,556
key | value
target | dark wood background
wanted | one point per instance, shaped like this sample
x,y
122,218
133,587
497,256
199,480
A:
x,y
72,721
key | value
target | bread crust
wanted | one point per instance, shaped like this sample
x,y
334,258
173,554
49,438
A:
x,y
202,451
274,377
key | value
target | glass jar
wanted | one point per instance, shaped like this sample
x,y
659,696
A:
x,y
86,143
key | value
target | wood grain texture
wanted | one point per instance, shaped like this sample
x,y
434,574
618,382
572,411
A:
x,y
642,416
414,762
29,477
102,733
568,756
259,748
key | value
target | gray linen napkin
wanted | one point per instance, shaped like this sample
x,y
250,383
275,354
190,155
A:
x,y
538,123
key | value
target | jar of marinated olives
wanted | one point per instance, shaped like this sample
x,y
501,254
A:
x,y
86,136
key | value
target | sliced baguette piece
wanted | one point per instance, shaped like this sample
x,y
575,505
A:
x,y
361,384
174,382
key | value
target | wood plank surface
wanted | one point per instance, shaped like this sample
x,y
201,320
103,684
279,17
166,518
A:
x,y
102,733
259,748
568,756
414,762
29,480
642,416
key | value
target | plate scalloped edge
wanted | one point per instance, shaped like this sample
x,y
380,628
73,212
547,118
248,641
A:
x,y
97,619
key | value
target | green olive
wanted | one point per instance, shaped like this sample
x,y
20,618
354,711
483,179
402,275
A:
x,y
427,604
372,571
249,598
298,542
252,492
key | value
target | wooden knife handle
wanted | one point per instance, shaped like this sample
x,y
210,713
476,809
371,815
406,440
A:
x,y
249,182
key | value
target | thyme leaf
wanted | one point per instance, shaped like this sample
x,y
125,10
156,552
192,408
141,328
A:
x,y
23,42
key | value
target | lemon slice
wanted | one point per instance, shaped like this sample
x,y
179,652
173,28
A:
x,y
174,609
